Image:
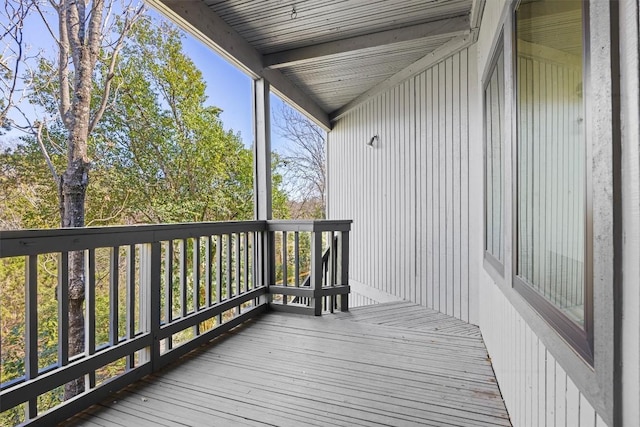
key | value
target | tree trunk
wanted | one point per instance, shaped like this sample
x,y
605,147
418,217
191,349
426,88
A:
x,y
73,188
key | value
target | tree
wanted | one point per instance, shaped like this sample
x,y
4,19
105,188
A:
x,y
167,145
303,163
88,36
12,56
156,151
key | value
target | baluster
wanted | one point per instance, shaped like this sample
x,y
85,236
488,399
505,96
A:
x,y
114,258
238,265
316,271
31,329
296,259
90,313
208,271
63,309
245,238
196,281
229,266
284,265
344,268
168,288
131,300
183,278
219,274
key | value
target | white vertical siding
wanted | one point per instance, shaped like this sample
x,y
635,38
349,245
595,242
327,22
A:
x,y
536,389
416,199
408,194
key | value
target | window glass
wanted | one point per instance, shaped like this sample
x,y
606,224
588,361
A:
x,y
551,154
494,167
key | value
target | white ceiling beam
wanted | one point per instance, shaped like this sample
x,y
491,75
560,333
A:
x,y
449,48
477,8
454,45
195,17
450,26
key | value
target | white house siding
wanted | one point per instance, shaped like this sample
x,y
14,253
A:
x,y
536,389
408,194
416,199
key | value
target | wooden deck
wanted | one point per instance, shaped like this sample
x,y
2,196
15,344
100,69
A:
x,y
388,364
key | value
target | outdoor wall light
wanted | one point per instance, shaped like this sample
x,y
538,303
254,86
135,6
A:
x,y
373,139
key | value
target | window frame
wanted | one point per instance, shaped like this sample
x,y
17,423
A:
x,y
599,382
497,50
580,339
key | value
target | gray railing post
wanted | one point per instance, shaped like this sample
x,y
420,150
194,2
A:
x,y
150,266
270,260
343,265
316,271
31,329
265,262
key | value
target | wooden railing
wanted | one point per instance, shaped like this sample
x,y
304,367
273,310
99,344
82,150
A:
x,y
324,287
154,293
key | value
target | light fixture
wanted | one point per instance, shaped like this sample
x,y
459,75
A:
x,y
373,139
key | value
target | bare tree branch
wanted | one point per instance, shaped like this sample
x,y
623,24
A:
x,y
302,162
129,22
16,14
45,153
46,24
115,215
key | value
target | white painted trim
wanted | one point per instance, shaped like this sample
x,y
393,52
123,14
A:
x,y
195,17
262,151
477,9
443,52
629,20
453,27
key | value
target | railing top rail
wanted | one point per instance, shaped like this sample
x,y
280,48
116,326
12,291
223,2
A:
x,y
309,225
32,242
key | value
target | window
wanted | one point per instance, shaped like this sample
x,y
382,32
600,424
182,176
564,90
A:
x,y
551,159
494,165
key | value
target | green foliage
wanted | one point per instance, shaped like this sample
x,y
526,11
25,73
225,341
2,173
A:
x,y
165,145
160,154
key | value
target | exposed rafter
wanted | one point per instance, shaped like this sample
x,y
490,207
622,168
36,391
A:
x,y
451,26
452,46
203,23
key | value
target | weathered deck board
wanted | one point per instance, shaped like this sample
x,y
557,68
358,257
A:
x,y
416,368
411,316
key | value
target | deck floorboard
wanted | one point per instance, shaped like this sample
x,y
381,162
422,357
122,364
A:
x,y
389,364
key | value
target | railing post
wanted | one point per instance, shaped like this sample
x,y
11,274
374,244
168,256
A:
x,y
31,329
90,312
343,265
316,271
269,261
150,273
263,262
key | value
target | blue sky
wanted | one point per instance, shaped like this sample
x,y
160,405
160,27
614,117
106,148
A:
x,y
227,87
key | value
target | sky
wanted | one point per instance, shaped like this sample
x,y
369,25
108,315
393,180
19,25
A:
x,y
227,87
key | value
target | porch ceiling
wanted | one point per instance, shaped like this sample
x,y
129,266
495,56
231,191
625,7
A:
x,y
325,56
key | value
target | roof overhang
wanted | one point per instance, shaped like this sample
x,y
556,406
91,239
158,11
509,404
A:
x,y
327,56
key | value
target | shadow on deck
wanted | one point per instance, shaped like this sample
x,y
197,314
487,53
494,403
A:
x,y
387,364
